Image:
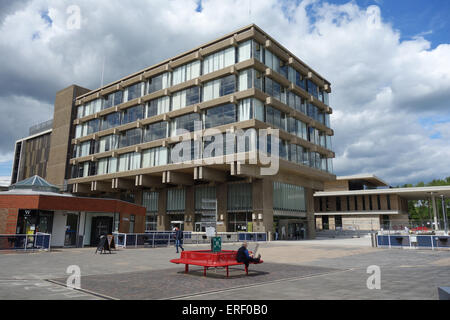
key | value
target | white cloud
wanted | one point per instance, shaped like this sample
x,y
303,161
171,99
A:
x,y
5,181
381,86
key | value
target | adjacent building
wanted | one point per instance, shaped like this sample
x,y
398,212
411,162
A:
x,y
367,203
31,153
147,138
34,205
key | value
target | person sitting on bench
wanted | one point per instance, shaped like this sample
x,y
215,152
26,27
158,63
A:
x,y
243,255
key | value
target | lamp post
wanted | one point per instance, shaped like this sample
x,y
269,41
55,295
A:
x,y
444,214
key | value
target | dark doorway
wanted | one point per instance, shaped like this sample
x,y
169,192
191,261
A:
x,y
325,225
100,226
70,239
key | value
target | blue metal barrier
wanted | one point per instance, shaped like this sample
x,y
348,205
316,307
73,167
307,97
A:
x,y
38,241
421,241
252,236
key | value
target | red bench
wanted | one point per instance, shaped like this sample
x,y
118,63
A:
x,y
208,259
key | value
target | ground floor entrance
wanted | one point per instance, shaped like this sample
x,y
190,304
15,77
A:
x,y
290,228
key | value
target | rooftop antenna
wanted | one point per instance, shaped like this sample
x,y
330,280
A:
x,y
250,10
103,71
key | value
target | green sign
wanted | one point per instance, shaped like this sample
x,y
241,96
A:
x,y
216,244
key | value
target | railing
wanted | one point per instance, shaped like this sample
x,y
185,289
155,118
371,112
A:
x,y
41,127
433,242
166,238
38,241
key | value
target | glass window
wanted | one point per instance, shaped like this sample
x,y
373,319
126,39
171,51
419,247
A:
x,y
85,148
276,118
239,197
176,199
154,157
158,106
107,165
150,200
220,115
78,130
245,110
155,131
219,60
108,143
93,126
118,97
275,90
245,51
288,197
130,137
158,83
250,78
186,122
80,111
134,91
111,120
133,114
129,161
312,88
219,87
185,98
186,72
257,50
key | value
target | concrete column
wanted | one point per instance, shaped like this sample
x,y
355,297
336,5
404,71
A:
x,y
58,168
262,193
433,199
138,197
162,218
221,196
189,212
311,230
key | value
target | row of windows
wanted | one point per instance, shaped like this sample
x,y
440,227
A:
x,y
216,61
211,90
239,197
191,150
221,115
354,203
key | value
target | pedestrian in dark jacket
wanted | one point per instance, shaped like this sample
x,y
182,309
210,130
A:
x,y
243,255
179,239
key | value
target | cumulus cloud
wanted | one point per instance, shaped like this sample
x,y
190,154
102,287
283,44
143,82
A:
x,y
382,87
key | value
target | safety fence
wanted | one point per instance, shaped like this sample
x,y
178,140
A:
x,y
167,238
433,242
38,241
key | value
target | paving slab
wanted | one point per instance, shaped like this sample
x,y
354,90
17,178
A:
x,y
174,283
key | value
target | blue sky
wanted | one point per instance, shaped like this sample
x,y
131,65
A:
x,y
429,18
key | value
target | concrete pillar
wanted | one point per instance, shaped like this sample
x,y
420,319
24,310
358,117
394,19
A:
x,y
138,197
262,194
162,218
433,199
311,230
189,212
58,168
221,196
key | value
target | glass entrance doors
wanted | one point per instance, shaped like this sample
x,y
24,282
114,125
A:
x,y
70,239
100,226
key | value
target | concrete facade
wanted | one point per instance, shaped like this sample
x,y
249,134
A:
x,y
289,95
62,134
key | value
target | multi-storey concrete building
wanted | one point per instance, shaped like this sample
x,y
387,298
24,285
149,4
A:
x,y
147,138
31,153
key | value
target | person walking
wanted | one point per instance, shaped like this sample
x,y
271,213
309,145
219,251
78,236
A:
x,y
178,239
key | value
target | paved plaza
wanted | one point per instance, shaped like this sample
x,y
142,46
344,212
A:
x,y
316,269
